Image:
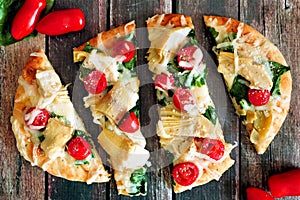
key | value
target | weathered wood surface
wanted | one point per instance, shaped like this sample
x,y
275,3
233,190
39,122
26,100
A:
x,y
279,20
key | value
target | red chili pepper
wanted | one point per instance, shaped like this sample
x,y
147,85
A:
x,y
61,22
254,193
285,184
26,18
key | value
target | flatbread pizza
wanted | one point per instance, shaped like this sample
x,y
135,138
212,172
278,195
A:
x,y
107,70
188,125
48,131
256,75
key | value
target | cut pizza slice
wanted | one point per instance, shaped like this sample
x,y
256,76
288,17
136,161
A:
x,y
256,75
48,131
188,125
107,69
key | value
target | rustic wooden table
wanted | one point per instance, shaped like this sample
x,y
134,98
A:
x,y
279,20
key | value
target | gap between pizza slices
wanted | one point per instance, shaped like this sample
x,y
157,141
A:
x,y
256,75
108,71
188,125
48,131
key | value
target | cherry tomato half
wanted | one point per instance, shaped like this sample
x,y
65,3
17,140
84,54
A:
x,y
26,18
79,148
259,97
95,82
185,173
61,21
164,81
188,56
212,147
129,123
183,97
124,48
257,194
36,119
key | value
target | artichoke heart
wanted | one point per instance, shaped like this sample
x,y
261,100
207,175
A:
x,y
120,99
180,124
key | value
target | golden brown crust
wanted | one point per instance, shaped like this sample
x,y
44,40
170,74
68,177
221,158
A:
x,y
174,20
108,38
251,37
61,166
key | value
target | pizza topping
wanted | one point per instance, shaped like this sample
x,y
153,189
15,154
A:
x,y
164,81
258,97
95,82
56,136
79,148
185,173
183,99
189,57
36,119
124,48
138,182
212,147
129,123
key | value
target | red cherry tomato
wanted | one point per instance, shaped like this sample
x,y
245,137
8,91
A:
x,y
124,48
95,82
26,18
185,173
61,22
257,194
129,123
183,97
259,97
36,119
186,57
164,81
285,184
79,148
212,147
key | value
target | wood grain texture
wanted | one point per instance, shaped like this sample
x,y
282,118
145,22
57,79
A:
x,y
278,20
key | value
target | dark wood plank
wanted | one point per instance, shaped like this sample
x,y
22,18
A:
x,y
61,56
17,176
227,187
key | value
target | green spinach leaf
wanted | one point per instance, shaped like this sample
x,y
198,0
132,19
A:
x,y
213,32
131,64
277,70
239,89
138,182
211,114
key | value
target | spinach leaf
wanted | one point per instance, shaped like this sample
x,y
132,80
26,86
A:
x,y
8,9
211,114
84,72
136,109
213,32
88,48
193,39
239,89
183,78
60,117
278,70
131,64
138,182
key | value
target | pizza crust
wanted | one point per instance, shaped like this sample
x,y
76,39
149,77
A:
x,y
259,47
27,95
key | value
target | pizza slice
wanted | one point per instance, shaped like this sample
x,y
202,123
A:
x,y
48,131
256,75
107,69
188,125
